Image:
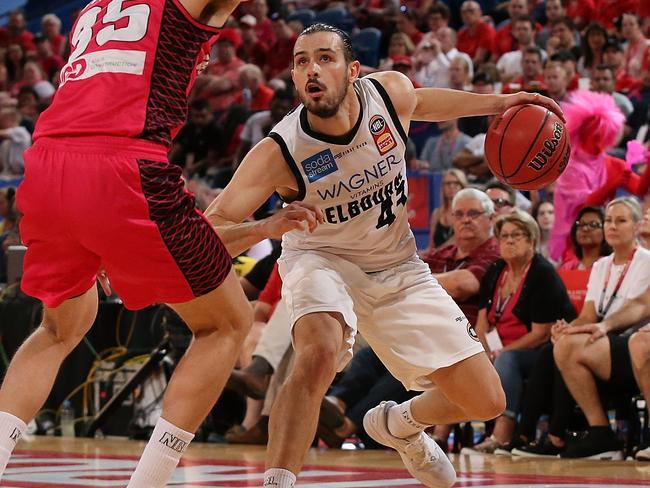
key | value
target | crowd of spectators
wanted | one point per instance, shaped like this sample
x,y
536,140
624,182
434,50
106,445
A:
x,y
488,244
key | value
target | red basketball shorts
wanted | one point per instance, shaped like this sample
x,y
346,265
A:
x,y
118,206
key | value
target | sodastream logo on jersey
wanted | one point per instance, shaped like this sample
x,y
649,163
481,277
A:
x,y
319,165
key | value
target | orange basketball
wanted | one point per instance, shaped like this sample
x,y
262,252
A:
x,y
527,147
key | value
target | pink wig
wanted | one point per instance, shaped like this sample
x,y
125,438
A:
x,y
592,115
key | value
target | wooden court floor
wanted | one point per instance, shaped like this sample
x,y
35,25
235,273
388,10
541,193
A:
x,y
61,462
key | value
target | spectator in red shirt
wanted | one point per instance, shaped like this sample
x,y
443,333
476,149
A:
x,y
255,95
16,32
51,26
569,63
613,56
251,49
279,64
47,59
407,22
637,48
476,37
504,40
220,84
532,79
263,27
582,11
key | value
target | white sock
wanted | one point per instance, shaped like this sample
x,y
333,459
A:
x,y
161,455
401,422
11,430
279,478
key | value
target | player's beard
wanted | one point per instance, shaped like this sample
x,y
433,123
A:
x,y
326,108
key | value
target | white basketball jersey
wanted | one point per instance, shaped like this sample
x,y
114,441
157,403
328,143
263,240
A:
x,y
358,180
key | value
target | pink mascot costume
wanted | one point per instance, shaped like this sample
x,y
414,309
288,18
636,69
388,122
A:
x,y
594,123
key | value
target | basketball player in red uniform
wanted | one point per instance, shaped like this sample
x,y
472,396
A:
x,y
99,193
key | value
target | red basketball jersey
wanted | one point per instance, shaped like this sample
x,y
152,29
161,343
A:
x,y
132,65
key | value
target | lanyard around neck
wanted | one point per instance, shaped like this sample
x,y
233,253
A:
x,y
602,310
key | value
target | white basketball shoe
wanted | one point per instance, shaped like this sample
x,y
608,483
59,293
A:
x,y
421,455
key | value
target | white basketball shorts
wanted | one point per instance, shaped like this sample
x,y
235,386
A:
x,y
410,321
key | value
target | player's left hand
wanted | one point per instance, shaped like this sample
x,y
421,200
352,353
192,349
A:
x,y
522,98
595,331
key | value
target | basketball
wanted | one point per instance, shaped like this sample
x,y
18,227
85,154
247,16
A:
x,y
527,147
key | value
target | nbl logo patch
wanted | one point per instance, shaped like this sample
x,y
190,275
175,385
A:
x,y
319,165
381,134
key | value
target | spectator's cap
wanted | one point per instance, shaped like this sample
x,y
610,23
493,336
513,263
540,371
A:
x,y
402,61
482,78
248,20
612,44
230,35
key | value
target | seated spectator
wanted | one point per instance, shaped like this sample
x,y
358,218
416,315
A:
x,y
280,63
15,60
506,38
563,36
554,10
14,141
569,62
434,56
4,79
400,45
476,37
49,62
199,144
473,126
556,80
602,80
439,151
259,125
471,160
263,26
586,356
459,70
521,297
544,215
255,94
504,198
644,230
33,77
613,56
220,82
441,231
510,62
437,18
459,269
16,32
637,48
29,107
593,46
407,22
589,245
51,30
251,50
404,65
532,78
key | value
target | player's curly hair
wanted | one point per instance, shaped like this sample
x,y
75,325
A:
x,y
348,50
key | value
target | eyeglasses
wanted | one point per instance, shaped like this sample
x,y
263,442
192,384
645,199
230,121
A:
x,y
471,214
501,202
593,225
516,235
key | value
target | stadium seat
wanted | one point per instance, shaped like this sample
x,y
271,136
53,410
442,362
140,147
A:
x,y
304,15
336,17
366,46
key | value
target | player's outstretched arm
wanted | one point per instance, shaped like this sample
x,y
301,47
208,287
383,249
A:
x,y
436,104
262,172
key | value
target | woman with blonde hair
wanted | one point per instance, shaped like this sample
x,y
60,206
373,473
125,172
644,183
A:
x,y
441,230
399,45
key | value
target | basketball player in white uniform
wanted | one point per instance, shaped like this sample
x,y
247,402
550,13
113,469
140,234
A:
x,y
339,157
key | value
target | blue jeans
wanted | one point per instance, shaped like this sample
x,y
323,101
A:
x,y
513,368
